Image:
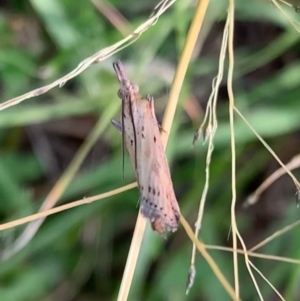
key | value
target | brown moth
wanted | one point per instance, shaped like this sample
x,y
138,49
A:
x,y
141,135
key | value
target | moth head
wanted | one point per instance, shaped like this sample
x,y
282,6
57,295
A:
x,y
135,88
131,88
120,93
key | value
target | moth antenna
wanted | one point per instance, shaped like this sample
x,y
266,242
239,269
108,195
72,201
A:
x,y
138,202
123,142
134,134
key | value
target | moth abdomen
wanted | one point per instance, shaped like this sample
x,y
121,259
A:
x,y
163,218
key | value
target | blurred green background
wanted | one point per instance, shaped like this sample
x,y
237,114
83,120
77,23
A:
x,y
80,254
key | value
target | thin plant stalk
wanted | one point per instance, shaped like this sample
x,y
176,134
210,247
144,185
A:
x,y
235,231
166,124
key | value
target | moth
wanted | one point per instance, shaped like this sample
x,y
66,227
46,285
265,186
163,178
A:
x,y
141,136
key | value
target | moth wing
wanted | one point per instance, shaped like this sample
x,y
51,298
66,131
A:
x,y
158,200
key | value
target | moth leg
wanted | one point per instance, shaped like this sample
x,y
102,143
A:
x,y
156,226
117,125
150,100
161,129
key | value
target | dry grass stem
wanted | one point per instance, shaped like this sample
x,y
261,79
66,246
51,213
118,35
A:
x,y
275,235
235,232
201,248
209,127
254,254
113,16
61,208
95,58
292,21
62,183
255,196
166,125
267,281
296,182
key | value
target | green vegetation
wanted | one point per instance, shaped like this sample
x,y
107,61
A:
x,y
80,253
